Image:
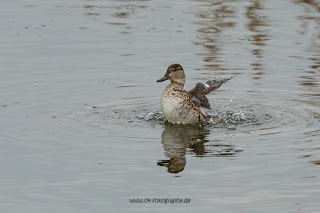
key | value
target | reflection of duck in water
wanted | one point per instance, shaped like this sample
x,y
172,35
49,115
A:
x,y
175,139
181,106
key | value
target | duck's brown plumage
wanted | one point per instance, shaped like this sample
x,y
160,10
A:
x,y
180,105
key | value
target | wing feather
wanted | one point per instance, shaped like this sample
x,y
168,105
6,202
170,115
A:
x,y
201,89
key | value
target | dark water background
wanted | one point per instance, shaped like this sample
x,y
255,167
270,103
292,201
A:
x,y
78,82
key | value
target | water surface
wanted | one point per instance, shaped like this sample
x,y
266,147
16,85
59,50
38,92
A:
x,y
81,124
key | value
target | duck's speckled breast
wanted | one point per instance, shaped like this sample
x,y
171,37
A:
x,y
178,107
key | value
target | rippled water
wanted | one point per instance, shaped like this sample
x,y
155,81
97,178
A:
x,y
81,124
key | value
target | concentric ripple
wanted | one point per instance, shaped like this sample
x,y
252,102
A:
x,y
245,115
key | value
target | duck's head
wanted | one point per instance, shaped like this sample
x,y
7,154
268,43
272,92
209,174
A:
x,y
175,73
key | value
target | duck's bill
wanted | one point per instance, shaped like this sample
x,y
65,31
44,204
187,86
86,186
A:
x,y
163,79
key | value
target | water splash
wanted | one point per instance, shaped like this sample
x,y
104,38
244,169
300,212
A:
x,y
148,114
222,119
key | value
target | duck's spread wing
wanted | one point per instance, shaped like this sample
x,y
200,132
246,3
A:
x,y
200,90
203,101
215,84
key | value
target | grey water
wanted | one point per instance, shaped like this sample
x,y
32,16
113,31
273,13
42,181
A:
x,y
81,128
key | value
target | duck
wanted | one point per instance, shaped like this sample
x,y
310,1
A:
x,y
181,106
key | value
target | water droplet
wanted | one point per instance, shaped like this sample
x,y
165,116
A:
x,y
150,116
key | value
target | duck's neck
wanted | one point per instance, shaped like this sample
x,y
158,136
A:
x,y
176,85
